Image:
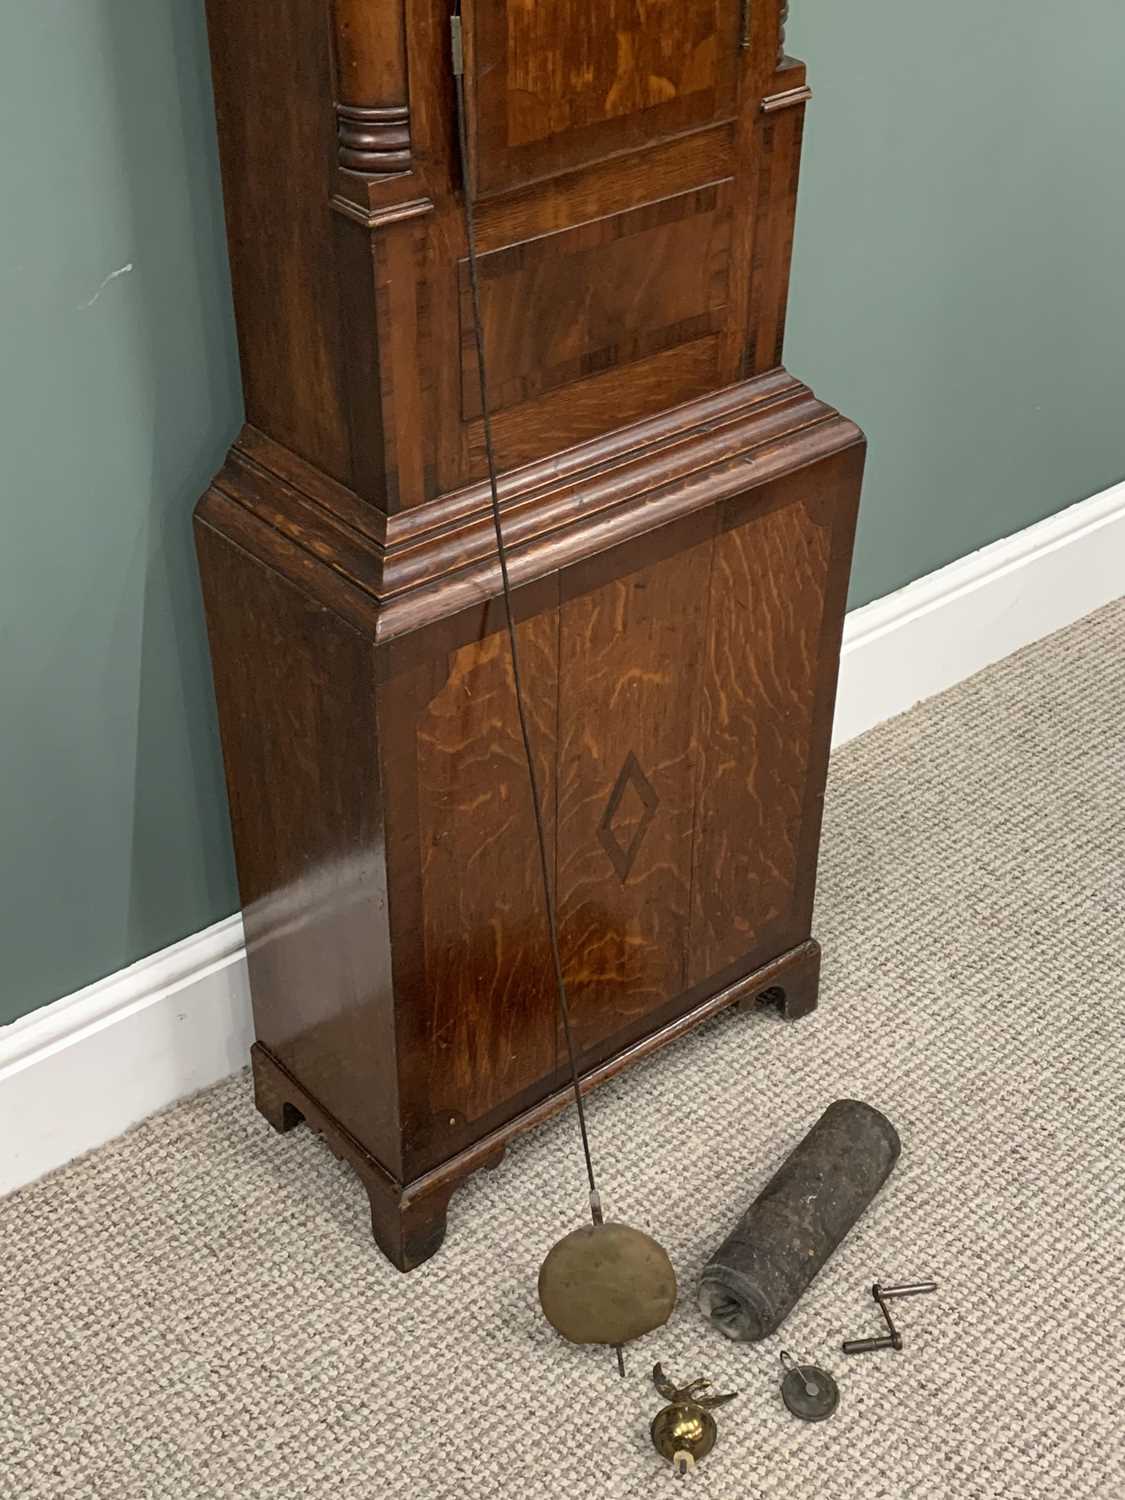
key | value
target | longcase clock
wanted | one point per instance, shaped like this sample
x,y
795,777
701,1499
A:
x,y
680,513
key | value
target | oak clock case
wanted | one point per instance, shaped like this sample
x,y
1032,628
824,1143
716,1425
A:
x,y
679,511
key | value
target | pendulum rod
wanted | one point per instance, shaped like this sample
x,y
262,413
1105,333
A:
x,y
501,550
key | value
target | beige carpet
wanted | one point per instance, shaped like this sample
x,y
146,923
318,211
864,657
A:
x,y
198,1311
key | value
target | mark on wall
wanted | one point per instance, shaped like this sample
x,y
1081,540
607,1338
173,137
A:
x,y
113,275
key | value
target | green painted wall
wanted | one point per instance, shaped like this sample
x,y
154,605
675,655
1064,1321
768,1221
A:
x,y
959,271
117,401
957,289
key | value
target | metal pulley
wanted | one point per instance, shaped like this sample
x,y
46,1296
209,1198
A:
x,y
684,1431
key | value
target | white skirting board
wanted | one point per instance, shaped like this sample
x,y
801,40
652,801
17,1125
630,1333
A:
x,y
76,1073
934,633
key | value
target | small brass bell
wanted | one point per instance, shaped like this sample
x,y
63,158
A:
x,y
685,1431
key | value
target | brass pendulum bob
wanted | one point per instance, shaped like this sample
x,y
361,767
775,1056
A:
x,y
685,1431
606,1284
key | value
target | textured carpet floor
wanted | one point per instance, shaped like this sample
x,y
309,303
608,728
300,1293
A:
x,y
197,1309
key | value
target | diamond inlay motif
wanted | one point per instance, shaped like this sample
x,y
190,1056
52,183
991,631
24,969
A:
x,y
621,830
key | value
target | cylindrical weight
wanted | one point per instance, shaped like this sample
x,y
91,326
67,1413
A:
x,y
754,1279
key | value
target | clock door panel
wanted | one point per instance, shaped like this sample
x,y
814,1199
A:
x,y
630,656
551,95
691,702
599,297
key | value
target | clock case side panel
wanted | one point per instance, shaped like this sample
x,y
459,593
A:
x,y
273,87
320,144
776,134
294,671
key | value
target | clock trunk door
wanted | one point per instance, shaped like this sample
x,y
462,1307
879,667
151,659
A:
x,y
557,84
695,697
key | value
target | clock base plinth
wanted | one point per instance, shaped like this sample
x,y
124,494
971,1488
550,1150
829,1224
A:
x,y
408,1220
798,996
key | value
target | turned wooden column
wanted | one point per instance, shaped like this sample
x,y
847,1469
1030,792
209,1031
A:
x,y
372,94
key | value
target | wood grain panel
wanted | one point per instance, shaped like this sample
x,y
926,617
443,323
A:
x,y
287,303
597,297
559,85
476,1005
623,182
562,76
294,685
600,403
756,716
371,101
779,158
630,657
405,370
